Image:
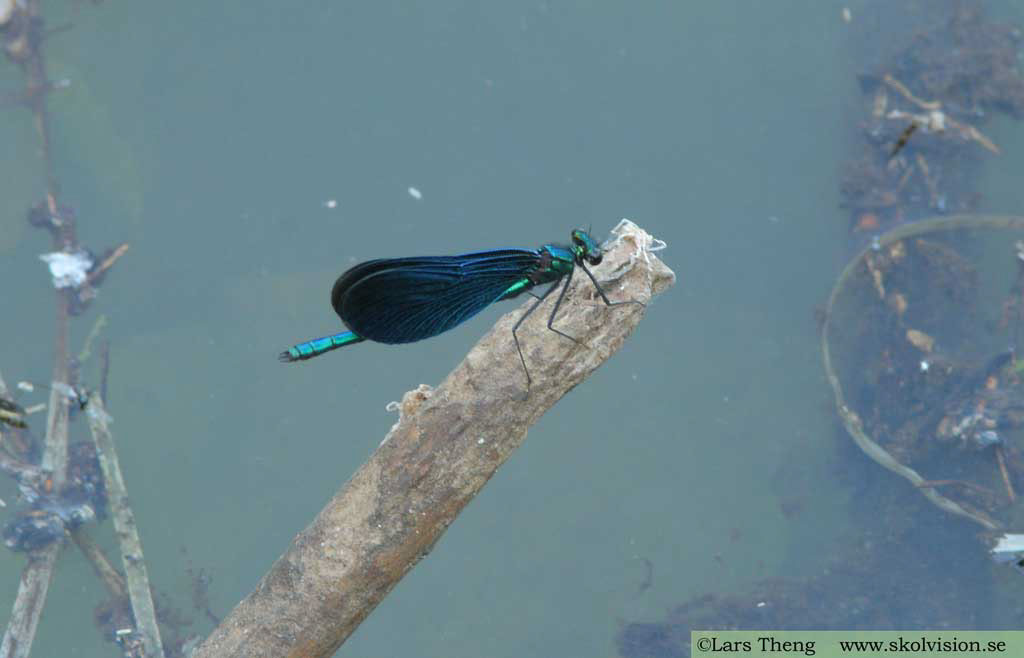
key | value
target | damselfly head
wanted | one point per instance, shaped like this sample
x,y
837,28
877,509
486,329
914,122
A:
x,y
585,247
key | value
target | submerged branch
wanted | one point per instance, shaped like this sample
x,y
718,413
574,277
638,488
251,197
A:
x,y
35,580
447,443
111,577
23,37
28,607
127,533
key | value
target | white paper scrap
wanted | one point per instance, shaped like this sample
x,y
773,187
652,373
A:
x,y
69,270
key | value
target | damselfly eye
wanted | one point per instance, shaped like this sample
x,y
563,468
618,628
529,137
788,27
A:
x,y
586,247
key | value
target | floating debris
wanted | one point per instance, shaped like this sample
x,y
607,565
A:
x,y
921,137
7,8
1009,549
944,414
11,413
85,478
47,521
69,269
918,339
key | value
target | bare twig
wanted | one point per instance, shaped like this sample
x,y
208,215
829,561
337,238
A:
x,y
22,43
97,327
109,574
127,533
1010,493
35,580
447,443
102,268
104,370
850,418
28,607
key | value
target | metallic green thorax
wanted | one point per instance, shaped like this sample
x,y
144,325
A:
x,y
556,261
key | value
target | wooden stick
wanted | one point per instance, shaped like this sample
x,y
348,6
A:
x,y
903,91
1006,476
931,484
107,572
35,579
134,563
107,262
447,443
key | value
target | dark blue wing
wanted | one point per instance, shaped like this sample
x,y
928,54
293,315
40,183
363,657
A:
x,y
403,300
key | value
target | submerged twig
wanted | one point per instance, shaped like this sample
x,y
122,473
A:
x,y
934,484
28,606
104,370
851,419
110,576
100,270
445,446
97,327
1010,493
127,533
23,37
35,580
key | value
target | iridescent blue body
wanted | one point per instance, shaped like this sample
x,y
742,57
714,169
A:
x,y
404,300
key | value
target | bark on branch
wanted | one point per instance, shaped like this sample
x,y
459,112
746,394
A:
x,y
447,443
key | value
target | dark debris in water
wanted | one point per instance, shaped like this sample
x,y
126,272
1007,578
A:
x,y
907,568
929,90
927,98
